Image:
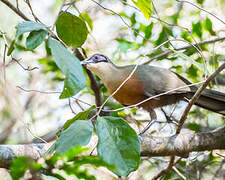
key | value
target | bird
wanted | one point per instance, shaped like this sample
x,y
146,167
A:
x,y
154,86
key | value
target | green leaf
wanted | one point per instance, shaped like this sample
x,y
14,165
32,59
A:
x,y
208,26
70,66
163,36
28,26
186,36
71,29
35,38
200,1
11,48
77,150
194,127
78,133
80,116
148,31
197,29
19,167
48,50
88,19
118,144
144,6
124,45
192,73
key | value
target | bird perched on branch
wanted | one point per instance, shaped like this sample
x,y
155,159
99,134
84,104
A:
x,y
146,82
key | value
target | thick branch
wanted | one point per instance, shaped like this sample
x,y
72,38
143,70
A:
x,y
183,143
179,145
9,152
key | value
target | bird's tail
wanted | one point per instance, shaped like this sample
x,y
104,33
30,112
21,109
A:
x,y
212,100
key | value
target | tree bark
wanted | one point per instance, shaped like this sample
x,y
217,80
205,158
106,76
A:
x,y
177,145
184,143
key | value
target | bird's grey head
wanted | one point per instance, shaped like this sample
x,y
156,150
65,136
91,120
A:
x,y
100,65
96,58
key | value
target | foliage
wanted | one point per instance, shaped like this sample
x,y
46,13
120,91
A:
x,y
118,144
75,79
71,29
71,162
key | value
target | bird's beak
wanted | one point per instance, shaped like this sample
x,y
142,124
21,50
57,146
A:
x,y
86,61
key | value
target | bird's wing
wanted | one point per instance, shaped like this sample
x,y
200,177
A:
x,y
159,80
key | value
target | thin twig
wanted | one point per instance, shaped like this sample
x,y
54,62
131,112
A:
x,y
196,96
4,71
201,9
51,92
16,10
166,53
32,12
179,173
71,108
165,171
26,69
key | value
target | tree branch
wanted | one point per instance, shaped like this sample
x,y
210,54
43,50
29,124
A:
x,y
196,96
176,145
9,152
166,53
184,143
17,11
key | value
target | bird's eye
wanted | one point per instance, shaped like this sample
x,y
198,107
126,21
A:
x,y
96,58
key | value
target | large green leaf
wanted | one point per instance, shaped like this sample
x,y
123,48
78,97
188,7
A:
x,y
70,66
28,26
79,133
118,144
71,29
144,6
35,38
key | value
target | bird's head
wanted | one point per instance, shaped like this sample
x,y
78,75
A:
x,y
96,62
96,58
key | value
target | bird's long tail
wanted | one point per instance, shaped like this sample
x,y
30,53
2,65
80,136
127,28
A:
x,y
212,100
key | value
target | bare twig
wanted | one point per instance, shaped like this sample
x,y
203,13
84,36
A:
x,y
218,169
50,92
179,173
70,105
32,12
166,53
165,171
4,56
188,2
196,96
16,10
28,68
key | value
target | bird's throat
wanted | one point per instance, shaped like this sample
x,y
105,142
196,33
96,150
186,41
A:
x,y
112,76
